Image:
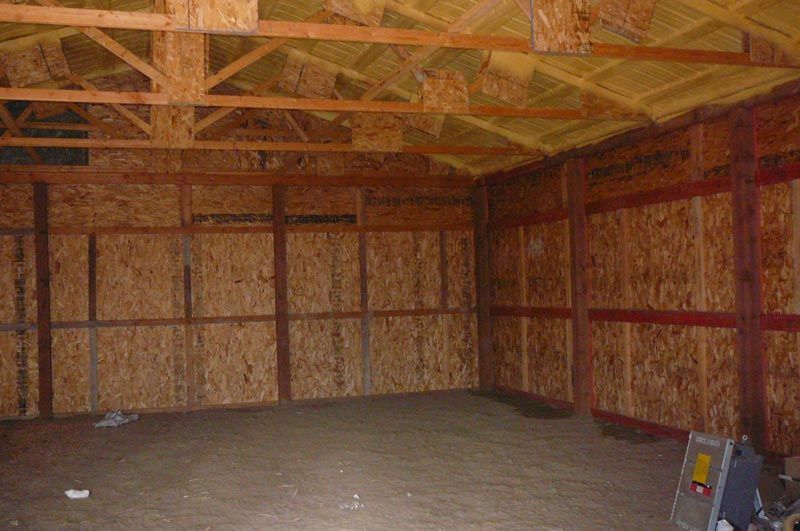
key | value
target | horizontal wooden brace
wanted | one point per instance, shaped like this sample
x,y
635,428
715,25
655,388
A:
x,y
136,20
665,317
533,312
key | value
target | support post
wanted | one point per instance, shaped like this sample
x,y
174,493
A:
x,y
363,286
43,300
747,277
575,176
480,217
281,293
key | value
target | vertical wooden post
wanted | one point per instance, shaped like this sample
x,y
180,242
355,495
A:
x,y
281,293
575,175
94,400
364,294
480,217
186,221
43,300
747,271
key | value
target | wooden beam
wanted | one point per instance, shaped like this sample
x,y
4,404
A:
x,y
257,145
11,124
480,216
363,287
747,277
575,176
41,237
122,111
281,293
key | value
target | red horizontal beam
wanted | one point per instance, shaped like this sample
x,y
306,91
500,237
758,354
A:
x,y
665,194
780,322
648,427
779,174
528,311
665,317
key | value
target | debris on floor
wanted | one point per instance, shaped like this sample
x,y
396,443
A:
x,y
354,505
115,419
73,494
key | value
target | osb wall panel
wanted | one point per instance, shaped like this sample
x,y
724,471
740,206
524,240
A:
x,y
114,205
403,270
549,370
460,366
723,382
323,272
320,205
546,249
540,191
645,165
139,276
782,351
778,133
69,278
16,206
716,147
605,246
717,251
665,378
662,256
504,265
777,264
221,160
416,206
232,274
70,352
235,363
406,354
17,279
19,374
608,366
460,254
140,367
507,351
326,358
232,205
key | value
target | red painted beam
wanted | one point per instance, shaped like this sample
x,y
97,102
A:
x,y
664,317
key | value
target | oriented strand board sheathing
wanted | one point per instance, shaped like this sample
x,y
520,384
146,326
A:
x,y
513,198
16,206
549,370
460,269
629,18
605,242
224,16
233,274
71,370
206,159
323,272
507,78
778,138
662,256
140,367
114,205
232,205
504,265
307,77
320,205
19,374
547,264
608,366
665,377
367,12
326,358
723,382
403,270
716,147
507,352
645,165
765,52
445,91
69,278
17,279
782,353
173,127
377,132
562,26
460,365
718,252
416,206
407,355
139,276
44,61
181,56
777,264
430,124
235,363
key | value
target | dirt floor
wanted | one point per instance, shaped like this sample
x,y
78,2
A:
x,y
442,461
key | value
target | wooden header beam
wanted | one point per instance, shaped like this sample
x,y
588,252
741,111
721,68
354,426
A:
x,y
91,18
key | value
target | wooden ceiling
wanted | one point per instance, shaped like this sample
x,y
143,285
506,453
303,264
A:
x,y
694,53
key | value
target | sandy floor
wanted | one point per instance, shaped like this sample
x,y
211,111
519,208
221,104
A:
x,y
451,460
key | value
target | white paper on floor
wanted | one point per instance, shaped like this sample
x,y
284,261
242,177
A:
x,y
355,505
116,418
76,494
